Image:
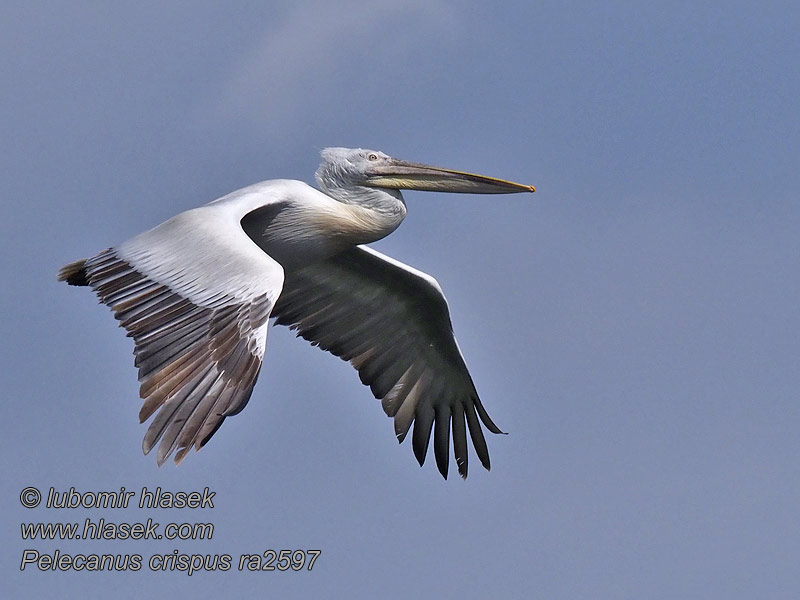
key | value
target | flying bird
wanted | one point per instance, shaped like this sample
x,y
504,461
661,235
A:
x,y
196,293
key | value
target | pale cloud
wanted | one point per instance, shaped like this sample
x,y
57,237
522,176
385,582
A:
x,y
322,54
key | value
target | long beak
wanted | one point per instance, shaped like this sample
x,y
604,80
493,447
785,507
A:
x,y
402,175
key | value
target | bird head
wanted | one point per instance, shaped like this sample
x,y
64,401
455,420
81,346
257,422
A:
x,y
348,167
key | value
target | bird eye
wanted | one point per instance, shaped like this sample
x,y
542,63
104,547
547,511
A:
x,y
372,156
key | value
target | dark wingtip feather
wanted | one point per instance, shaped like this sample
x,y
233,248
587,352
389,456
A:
x,y
211,433
74,273
441,440
460,439
423,424
485,417
478,441
420,450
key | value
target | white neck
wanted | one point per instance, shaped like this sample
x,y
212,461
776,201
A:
x,y
354,215
372,212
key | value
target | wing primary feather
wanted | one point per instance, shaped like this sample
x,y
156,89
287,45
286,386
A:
x,y
244,396
460,439
173,374
150,356
395,397
214,418
182,330
423,422
143,337
215,415
163,357
164,415
485,417
476,433
441,438
406,413
169,439
191,429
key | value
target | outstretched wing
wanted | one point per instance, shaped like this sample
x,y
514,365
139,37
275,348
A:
x,y
393,324
195,294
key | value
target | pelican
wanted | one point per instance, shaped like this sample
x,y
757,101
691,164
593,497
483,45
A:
x,y
196,292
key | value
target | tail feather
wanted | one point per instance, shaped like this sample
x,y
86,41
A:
x,y
74,273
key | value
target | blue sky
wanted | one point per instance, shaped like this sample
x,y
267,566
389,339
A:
x,y
633,325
